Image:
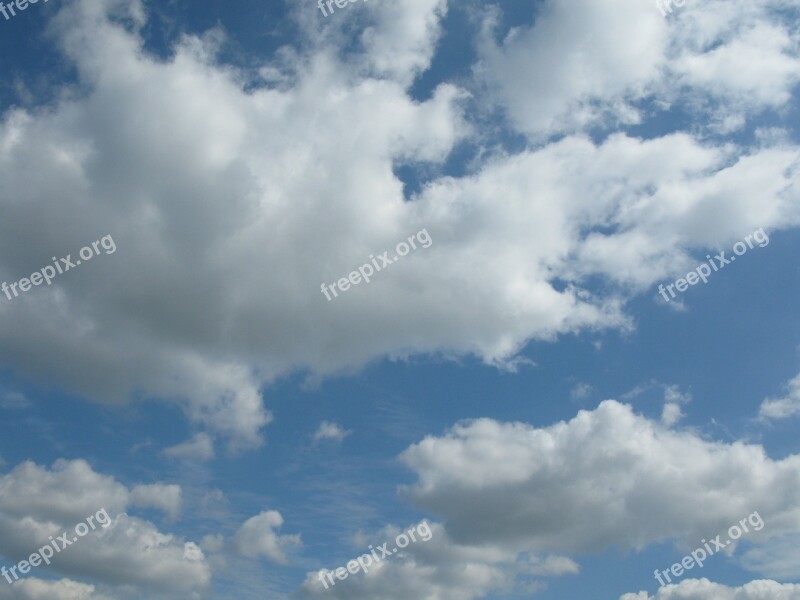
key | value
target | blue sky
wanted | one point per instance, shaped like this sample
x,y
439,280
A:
x,y
519,383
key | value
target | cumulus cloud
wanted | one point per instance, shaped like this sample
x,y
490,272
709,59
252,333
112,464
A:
x,y
725,60
673,398
437,568
606,478
257,537
594,68
703,589
36,503
784,407
330,431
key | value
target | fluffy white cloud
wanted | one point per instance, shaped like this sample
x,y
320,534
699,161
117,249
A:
x,y
437,568
606,478
725,59
785,407
703,589
121,551
576,71
330,431
256,537
511,495
400,41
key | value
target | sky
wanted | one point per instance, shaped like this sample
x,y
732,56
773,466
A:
x,y
405,299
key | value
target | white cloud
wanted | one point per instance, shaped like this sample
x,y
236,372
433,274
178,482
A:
x,y
257,537
673,398
166,498
36,503
778,558
401,40
783,408
606,478
593,67
554,565
703,589
671,414
437,568
674,395
200,447
33,588
330,431
724,59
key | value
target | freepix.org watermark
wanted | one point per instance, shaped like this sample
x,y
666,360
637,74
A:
x,y
365,561
20,4
45,553
59,267
666,5
330,3
366,271
699,556
703,271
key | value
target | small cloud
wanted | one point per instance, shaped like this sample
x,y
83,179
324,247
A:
x,y
142,445
167,498
637,391
673,395
200,447
581,390
554,566
671,414
673,398
330,431
14,401
257,538
513,365
782,408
